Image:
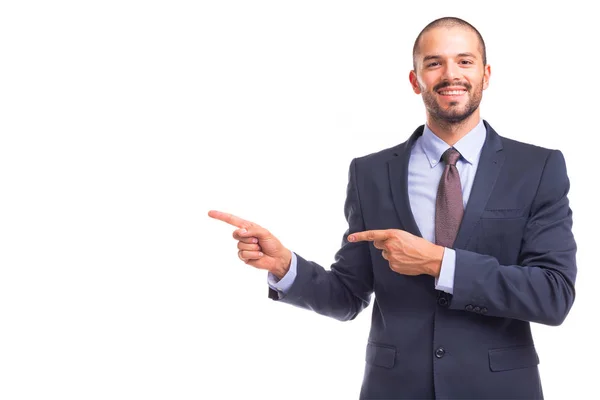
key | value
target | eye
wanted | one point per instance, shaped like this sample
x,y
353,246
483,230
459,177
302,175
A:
x,y
466,62
433,64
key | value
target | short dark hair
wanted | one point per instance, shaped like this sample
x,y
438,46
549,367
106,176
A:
x,y
449,22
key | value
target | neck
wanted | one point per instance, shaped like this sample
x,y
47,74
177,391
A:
x,y
452,132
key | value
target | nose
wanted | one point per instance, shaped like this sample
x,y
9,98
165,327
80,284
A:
x,y
451,71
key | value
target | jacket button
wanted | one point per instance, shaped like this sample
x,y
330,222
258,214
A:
x,y
484,310
442,301
476,309
440,351
469,307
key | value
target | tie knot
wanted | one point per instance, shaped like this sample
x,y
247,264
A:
x,y
450,156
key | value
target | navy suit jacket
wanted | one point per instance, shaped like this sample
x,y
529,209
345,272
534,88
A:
x,y
515,264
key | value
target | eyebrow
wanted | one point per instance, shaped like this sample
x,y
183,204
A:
x,y
436,57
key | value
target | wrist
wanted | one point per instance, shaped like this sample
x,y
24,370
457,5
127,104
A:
x,y
435,263
280,270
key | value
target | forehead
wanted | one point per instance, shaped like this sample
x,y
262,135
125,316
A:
x,y
447,41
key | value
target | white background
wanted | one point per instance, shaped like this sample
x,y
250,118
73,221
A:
x,y
123,122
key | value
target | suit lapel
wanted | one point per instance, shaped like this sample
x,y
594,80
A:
x,y
398,173
490,164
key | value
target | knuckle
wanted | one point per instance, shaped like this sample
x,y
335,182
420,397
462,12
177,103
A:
x,y
244,246
248,225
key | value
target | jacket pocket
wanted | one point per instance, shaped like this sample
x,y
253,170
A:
x,y
503,213
501,238
381,355
513,358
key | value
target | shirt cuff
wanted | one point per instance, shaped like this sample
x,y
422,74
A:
x,y
445,282
282,286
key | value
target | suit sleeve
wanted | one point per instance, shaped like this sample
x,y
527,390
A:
x,y
542,287
344,290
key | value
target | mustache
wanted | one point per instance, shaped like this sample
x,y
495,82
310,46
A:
x,y
442,85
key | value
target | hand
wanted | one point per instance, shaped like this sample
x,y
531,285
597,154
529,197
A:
x,y
407,254
256,246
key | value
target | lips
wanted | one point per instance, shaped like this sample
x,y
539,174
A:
x,y
452,91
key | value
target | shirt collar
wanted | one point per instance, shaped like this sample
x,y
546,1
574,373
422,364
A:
x,y
469,146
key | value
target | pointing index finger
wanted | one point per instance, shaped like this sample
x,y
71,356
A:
x,y
368,236
230,219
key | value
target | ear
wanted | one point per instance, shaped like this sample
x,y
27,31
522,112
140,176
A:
x,y
414,82
487,71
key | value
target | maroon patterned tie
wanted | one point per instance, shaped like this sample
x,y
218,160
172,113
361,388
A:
x,y
449,202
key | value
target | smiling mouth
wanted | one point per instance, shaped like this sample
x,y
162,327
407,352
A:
x,y
452,92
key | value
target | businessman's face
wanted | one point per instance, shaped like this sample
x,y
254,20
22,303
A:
x,y
449,73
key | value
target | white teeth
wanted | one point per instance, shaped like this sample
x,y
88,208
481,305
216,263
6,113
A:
x,y
452,92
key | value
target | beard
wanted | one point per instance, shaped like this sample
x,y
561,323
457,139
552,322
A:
x,y
454,114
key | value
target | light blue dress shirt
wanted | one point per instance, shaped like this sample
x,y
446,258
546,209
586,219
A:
x,y
425,170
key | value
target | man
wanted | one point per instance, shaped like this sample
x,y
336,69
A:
x,y
463,235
